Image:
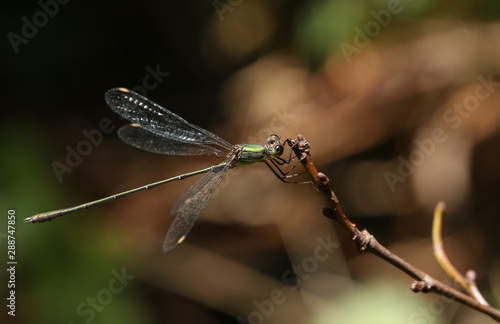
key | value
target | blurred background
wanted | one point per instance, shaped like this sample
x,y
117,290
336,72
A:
x,y
398,100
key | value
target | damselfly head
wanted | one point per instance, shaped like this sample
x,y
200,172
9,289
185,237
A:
x,y
274,146
273,139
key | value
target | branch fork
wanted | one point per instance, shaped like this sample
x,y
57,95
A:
x,y
367,243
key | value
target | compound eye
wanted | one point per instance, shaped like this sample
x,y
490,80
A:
x,y
273,139
278,150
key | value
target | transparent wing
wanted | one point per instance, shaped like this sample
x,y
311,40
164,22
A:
x,y
158,120
189,205
135,135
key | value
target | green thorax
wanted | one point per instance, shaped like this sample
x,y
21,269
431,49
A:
x,y
251,153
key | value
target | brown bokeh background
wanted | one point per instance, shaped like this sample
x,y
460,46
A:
x,y
399,101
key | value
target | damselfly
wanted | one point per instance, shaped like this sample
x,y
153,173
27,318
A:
x,y
159,130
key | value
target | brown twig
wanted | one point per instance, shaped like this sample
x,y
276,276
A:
x,y
367,243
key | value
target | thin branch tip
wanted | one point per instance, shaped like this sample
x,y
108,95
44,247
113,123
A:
x,y
441,206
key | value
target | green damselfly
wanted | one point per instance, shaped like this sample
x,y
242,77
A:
x,y
159,130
